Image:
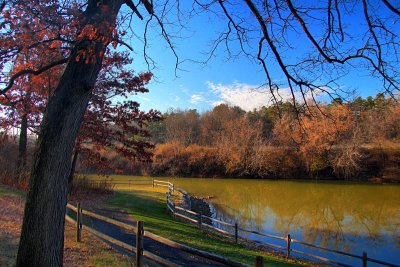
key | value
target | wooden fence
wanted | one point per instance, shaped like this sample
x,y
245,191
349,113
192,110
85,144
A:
x,y
140,232
198,219
135,182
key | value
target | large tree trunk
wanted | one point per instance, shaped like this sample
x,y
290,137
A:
x,y
42,235
22,146
73,167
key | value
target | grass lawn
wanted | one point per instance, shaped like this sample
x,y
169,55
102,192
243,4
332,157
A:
x,y
8,191
90,252
148,204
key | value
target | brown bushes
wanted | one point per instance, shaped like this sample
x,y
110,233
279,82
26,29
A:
x,y
330,141
175,160
8,159
83,186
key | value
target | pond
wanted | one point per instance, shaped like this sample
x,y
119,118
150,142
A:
x,y
344,216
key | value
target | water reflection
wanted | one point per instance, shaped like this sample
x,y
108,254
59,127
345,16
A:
x,y
348,217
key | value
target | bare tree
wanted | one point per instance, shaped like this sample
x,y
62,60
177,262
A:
x,y
313,43
268,31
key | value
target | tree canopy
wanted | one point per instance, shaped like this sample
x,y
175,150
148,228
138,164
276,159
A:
x,y
334,36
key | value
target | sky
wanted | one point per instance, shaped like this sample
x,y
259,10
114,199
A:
x,y
234,81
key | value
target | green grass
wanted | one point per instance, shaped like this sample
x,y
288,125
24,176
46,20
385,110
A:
x,y
7,191
148,205
108,259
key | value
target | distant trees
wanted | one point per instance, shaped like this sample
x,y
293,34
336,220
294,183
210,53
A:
x,y
182,127
263,31
328,140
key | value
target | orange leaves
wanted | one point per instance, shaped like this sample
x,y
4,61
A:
x,y
55,44
146,76
114,44
88,32
105,33
7,14
88,56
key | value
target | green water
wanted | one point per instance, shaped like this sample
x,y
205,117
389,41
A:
x,y
345,216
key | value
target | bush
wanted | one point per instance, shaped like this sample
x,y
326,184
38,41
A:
x,y
82,186
8,158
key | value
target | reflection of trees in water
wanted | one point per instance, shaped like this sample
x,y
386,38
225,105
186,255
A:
x,y
326,214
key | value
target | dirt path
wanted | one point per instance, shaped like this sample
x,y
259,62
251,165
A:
x,y
171,254
11,210
89,253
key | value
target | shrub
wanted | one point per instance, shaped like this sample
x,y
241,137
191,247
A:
x,y
82,186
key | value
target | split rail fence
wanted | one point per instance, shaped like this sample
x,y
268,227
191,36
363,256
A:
x,y
140,232
198,219
134,182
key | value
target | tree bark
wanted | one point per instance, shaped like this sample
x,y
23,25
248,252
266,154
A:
x,y
22,146
42,235
73,167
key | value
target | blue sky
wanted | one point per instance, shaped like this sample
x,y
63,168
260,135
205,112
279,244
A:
x,y
222,79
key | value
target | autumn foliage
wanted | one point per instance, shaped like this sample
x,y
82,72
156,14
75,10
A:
x,y
357,140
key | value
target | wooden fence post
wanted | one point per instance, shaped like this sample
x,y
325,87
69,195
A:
x,y
289,240
236,232
364,259
78,223
259,261
167,196
139,243
200,219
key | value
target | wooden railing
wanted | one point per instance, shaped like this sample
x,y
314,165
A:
x,y
169,185
198,219
140,232
135,182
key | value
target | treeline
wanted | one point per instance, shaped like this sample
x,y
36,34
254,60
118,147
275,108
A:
x,y
356,140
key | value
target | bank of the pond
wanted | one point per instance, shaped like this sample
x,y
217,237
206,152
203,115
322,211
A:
x,y
345,216
148,204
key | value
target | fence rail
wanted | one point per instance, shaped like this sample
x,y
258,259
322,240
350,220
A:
x,y
198,220
140,233
135,182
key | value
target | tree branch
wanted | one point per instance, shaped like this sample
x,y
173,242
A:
x,y
132,6
30,71
148,6
392,8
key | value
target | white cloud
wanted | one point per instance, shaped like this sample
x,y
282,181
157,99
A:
x,y
196,99
177,98
243,95
216,103
144,98
249,97
183,89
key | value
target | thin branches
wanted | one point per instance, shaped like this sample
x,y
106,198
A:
x,y
391,7
31,71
